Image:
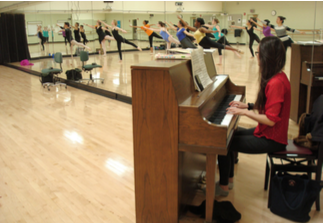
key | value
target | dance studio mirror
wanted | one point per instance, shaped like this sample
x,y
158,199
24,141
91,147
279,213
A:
x,y
130,16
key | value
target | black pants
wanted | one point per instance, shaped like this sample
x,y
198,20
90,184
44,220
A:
x,y
42,41
125,42
223,41
66,40
85,40
186,43
287,43
207,43
151,38
252,39
244,141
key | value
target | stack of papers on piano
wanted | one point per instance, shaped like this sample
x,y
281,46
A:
x,y
172,56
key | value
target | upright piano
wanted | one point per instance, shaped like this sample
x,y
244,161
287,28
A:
x,y
306,77
178,133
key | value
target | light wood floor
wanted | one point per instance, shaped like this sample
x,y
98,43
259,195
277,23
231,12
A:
x,y
67,155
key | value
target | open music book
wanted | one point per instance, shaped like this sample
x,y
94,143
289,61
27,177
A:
x,y
200,74
199,69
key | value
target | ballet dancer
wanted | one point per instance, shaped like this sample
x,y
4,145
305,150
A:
x,y
39,34
266,29
76,32
102,36
118,38
203,40
107,32
220,38
165,34
250,30
182,34
150,33
281,31
83,35
45,34
70,39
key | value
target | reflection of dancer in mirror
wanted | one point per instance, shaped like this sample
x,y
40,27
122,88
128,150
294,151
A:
x,y
150,33
220,38
250,30
107,32
281,31
83,35
52,32
39,34
182,34
45,36
76,32
165,34
102,36
118,38
266,29
69,37
202,39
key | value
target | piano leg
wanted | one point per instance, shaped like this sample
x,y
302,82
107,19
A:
x,y
210,185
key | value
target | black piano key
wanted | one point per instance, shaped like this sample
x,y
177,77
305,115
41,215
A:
x,y
220,112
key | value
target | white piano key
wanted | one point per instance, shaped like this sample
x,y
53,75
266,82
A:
x,y
228,117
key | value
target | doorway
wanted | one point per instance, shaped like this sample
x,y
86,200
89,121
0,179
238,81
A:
x,y
134,29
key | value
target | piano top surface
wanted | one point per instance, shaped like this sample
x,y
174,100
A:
x,y
159,64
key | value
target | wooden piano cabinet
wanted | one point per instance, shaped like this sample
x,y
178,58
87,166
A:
x,y
299,92
155,123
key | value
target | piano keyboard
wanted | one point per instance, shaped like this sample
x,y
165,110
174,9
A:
x,y
220,116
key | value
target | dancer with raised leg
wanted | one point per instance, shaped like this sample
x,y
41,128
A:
x,y
220,38
203,40
70,39
102,36
119,38
39,34
182,34
83,35
150,33
165,34
250,30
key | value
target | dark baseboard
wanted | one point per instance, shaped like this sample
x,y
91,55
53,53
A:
x,y
91,89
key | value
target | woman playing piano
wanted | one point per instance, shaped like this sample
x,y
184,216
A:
x,y
273,106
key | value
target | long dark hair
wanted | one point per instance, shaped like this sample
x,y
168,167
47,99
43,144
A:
x,y
272,59
146,22
162,23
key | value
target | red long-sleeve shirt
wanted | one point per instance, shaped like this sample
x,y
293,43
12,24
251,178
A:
x,y
277,109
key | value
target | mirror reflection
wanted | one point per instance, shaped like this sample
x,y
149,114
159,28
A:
x,y
119,34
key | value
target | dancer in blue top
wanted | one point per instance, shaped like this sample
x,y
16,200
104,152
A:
x,y
182,34
165,34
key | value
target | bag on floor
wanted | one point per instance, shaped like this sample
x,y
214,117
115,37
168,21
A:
x,y
73,74
223,211
292,196
47,78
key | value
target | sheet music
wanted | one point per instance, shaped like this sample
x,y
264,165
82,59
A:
x,y
199,68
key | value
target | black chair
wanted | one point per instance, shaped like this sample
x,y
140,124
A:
x,y
84,56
